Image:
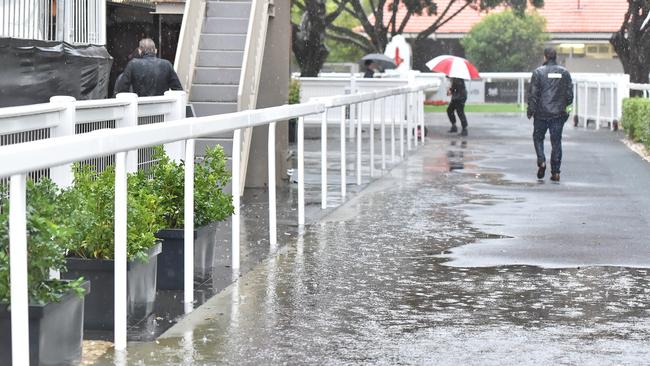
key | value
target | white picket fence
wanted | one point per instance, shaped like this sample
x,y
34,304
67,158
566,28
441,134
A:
x,y
63,147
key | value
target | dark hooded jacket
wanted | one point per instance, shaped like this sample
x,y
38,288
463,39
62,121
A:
x,y
551,91
148,76
458,90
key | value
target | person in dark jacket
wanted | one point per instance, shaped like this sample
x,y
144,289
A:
x,y
458,94
148,75
551,91
371,67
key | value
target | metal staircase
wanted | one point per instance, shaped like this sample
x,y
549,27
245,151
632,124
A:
x,y
219,60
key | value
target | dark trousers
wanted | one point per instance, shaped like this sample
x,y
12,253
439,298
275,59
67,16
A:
x,y
555,127
459,107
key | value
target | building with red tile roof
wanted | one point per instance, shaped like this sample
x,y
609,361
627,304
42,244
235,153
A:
x,y
579,29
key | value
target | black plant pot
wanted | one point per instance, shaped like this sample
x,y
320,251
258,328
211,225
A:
x,y
170,261
55,331
141,288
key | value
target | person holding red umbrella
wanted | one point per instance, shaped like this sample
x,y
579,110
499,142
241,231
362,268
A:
x,y
458,94
458,69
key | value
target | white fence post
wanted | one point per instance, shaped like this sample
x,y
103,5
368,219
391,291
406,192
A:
x,y
392,129
120,251
236,198
323,160
598,101
383,134
371,138
273,236
176,150
130,119
359,121
188,252
18,270
301,171
343,154
62,175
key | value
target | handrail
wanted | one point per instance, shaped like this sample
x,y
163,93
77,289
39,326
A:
x,y
61,150
29,110
249,79
188,42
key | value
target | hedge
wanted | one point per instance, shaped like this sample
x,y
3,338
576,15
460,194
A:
x,y
636,119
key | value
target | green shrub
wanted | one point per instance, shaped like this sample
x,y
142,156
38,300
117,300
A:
x,y
294,92
636,119
211,175
45,245
88,208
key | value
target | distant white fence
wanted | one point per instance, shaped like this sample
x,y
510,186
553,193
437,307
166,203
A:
x,y
72,21
598,98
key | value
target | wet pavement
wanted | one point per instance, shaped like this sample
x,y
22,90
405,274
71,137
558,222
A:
x,y
457,256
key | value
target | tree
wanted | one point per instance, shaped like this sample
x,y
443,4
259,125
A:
x,y
632,43
379,19
308,34
506,42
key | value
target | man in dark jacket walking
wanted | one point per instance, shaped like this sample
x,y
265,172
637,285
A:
x,y
551,91
458,94
148,75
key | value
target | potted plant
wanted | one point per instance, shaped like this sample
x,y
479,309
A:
x,y
211,205
56,306
87,209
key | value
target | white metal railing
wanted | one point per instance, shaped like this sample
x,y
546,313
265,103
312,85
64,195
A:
x,y
72,21
188,41
19,159
64,116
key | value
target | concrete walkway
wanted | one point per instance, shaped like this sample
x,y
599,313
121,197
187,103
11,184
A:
x,y
457,256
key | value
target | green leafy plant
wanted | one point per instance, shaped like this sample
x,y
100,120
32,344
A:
x,y
211,175
45,245
636,119
88,208
294,91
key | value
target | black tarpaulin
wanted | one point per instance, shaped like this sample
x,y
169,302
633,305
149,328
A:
x,y
32,71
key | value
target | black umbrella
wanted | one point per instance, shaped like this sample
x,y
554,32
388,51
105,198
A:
x,y
384,62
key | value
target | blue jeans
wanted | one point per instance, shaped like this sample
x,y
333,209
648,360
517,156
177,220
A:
x,y
555,126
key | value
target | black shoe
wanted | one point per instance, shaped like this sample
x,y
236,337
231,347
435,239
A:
x,y
453,129
463,132
555,177
541,170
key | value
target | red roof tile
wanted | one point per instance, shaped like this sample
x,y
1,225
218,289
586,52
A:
x,y
562,16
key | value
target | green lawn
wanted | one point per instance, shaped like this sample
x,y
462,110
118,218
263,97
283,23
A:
x,y
480,108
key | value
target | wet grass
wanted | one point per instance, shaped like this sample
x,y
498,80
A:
x,y
479,108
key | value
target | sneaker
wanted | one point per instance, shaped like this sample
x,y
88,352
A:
x,y
555,177
453,129
463,132
541,170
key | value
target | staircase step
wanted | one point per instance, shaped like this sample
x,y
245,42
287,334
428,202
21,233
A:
x,y
220,58
216,75
208,109
222,42
231,8
218,25
214,93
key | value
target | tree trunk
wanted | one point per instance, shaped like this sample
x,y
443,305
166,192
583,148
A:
x,y
632,45
308,41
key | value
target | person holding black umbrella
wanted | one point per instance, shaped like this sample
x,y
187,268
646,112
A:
x,y
371,66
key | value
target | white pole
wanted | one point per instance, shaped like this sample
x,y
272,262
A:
x,y
372,138
409,117
301,171
383,134
120,251
62,175
392,130
236,198
18,270
611,106
359,118
402,110
188,259
420,109
343,157
586,103
323,160
273,236
598,100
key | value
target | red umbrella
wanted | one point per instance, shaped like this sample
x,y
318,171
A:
x,y
454,67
